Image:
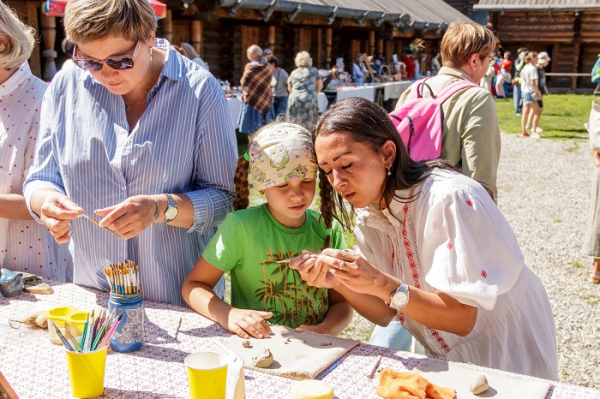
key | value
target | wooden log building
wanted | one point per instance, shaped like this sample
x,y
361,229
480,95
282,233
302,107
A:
x,y
222,30
568,31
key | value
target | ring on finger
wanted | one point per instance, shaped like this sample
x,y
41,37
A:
x,y
342,265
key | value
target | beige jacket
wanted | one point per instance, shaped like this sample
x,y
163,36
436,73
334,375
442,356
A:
x,y
471,137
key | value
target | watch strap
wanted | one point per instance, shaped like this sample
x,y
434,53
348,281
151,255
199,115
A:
x,y
171,204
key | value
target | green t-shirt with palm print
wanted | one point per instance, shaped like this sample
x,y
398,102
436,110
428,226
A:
x,y
247,245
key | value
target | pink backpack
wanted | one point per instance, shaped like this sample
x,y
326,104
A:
x,y
420,120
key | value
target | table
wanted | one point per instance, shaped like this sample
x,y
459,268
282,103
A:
x,y
37,369
367,92
393,90
235,107
376,92
322,99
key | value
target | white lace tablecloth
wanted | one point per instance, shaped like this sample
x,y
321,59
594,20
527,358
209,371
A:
x,y
37,369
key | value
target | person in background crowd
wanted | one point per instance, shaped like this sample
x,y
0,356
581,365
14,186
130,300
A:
x,y
359,70
326,76
267,53
140,136
256,92
25,246
505,66
435,62
591,238
279,85
192,54
422,260
67,49
179,50
516,82
423,64
304,86
408,60
487,81
543,60
375,65
471,138
251,242
531,94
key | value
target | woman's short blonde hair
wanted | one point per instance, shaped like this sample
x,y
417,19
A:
x,y
254,53
303,59
462,40
20,39
90,20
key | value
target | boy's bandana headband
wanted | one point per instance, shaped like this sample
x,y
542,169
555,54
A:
x,y
281,152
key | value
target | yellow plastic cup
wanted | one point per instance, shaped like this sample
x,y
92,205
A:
x,y
207,374
86,372
57,317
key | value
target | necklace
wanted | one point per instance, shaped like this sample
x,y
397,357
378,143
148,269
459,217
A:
x,y
133,105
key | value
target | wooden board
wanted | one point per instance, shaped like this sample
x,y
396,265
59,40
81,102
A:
x,y
6,390
295,355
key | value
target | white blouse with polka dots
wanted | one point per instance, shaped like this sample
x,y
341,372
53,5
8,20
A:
x,y
24,244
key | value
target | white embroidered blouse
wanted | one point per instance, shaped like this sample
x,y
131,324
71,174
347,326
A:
x,y
453,239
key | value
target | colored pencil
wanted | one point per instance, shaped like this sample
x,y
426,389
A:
x,y
88,335
85,328
63,339
71,338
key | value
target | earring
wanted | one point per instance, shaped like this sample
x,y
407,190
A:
x,y
389,171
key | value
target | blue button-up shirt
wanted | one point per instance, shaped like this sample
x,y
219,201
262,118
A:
x,y
183,143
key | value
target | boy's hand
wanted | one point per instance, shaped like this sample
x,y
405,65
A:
x,y
246,323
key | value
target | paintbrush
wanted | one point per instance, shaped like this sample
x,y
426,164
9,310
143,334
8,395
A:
x,y
98,224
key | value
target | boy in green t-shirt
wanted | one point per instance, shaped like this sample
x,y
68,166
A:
x,y
251,243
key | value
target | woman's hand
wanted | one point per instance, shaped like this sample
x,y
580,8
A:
x,y
353,271
315,273
130,217
596,158
55,212
246,323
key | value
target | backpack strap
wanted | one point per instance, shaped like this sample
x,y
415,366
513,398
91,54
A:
x,y
450,90
418,89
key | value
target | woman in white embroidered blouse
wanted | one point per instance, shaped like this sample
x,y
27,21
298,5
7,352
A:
x,y
24,245
436,251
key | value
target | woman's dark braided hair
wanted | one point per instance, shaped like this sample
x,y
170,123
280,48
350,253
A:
x,y
368,123
242,191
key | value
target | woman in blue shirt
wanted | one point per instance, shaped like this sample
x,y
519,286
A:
x,y
139,136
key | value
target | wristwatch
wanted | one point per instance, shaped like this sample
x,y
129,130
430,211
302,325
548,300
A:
x,y
171,212
399,298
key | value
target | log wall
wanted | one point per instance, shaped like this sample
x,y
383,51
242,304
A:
x,y
572,39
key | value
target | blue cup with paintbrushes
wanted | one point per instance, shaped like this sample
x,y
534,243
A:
x,y
127,302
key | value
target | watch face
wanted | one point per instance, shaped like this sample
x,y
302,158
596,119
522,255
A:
x,y
171,213
399,300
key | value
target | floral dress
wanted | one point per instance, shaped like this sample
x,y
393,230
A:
x,y
302,101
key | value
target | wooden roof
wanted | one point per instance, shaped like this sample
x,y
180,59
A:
x,y
537,5
430,14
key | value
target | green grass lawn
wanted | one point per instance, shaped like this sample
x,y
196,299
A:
x,y
563,116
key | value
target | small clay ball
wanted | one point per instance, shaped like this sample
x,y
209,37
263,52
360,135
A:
x,y
246,343
479,385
